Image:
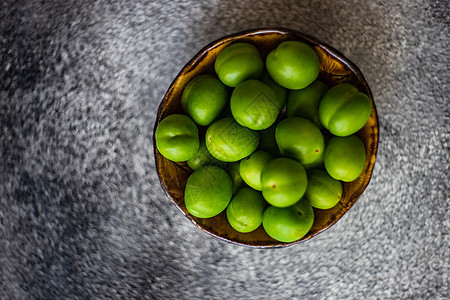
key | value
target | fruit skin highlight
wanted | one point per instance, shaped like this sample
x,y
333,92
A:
x,y
177,138
245,211
238,62
344,158
283,182
204,98
344,110
228,141
289,224
208,192
293,65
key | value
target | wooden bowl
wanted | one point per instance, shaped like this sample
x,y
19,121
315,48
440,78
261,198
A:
x,y
334,68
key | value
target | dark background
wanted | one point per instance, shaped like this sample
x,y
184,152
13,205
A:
x,y
81,209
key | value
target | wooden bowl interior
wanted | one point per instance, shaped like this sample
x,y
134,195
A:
x,y
335,68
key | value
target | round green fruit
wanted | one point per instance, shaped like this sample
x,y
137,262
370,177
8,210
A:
x,y
344,158
228,141
304,103
254,105
288,224
283,182
245,211
177,138
323,192
237,63
204,158
344,110
251,168
293,65
204,98
208,192
299,138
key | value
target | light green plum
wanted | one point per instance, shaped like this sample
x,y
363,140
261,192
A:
x,y
204,98
299,138
293,65
245,211
251,167
344,157
323,191
204,158
344,110
254,105
288,224
238,62
284,181
228,141
177,138
208,192
304,103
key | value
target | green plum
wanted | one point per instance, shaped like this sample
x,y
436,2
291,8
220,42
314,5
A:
x,y
254,105
204,158
344,110
323,191
233,171
304,103
280,91
245,211
299,138
344,157
288,224
177,138
238,62
228,141
293,65
208,192
283,182
251,168
204,98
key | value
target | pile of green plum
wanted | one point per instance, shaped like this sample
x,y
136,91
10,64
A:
x,y
277,141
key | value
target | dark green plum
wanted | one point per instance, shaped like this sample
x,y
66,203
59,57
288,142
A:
x,y
305,103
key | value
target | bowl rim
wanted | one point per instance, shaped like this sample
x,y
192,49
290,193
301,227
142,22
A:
x,y
193,62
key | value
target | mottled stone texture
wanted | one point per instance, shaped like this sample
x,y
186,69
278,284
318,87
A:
x,y
82,213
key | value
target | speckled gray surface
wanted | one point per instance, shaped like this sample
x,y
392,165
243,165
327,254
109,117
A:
x,y
81,210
